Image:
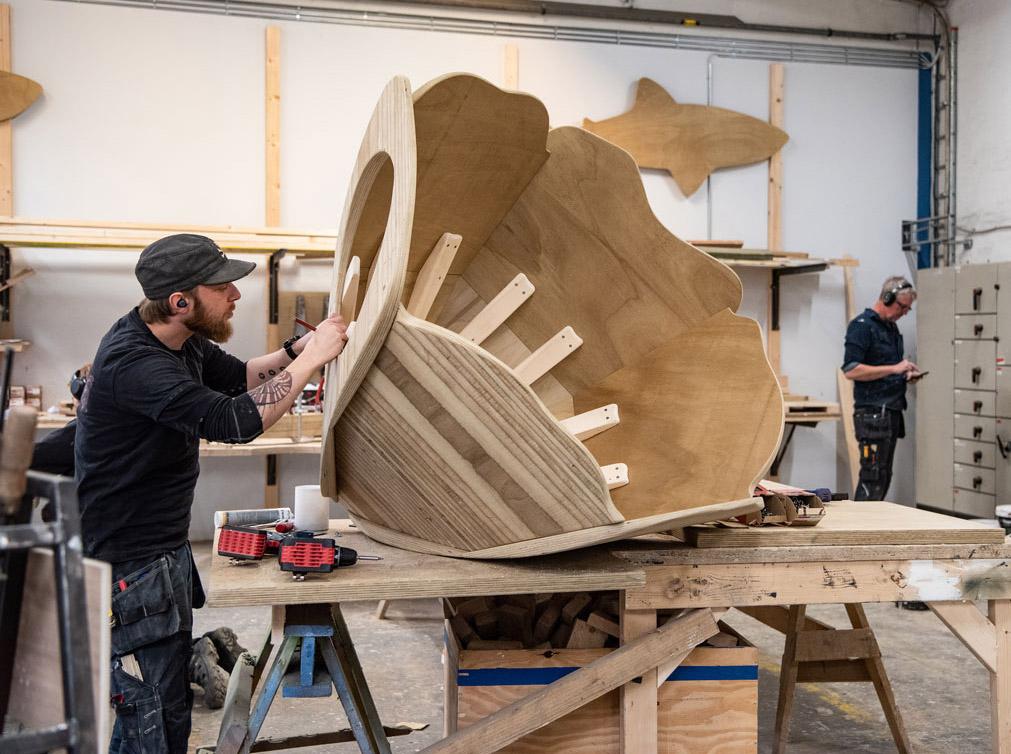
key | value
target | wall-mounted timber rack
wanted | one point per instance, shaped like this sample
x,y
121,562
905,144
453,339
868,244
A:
x,y
89,235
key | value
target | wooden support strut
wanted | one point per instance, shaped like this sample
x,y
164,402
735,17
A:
x,y
432,275
498,310
540,362
590,423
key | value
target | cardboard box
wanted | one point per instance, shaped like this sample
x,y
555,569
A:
x,y
708,704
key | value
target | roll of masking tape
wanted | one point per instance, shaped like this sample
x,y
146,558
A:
x,y
312,510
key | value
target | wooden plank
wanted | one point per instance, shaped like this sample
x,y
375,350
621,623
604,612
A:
x,y
637,733
432,275
541,361
6,127
854,523
511,73
403,574
17,277
573,539
883,687
593,422
821,583
776,75
36,699
999,613
778,618
838,644
272,129
708,137
451,696
834,671
678,554
580,687
971,627
498,310
601,622
585,636
787,679
321,235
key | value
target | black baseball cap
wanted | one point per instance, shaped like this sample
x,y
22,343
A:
x,y
183,261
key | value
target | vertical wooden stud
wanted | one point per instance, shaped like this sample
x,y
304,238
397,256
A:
x,y
272,201
775,240
788,678
6,142
272,104
638,727
999,613
846,391
511,76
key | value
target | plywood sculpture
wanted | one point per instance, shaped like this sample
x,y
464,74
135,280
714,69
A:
x,y
535,363
688,141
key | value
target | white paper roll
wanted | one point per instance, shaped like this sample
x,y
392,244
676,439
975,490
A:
x,y
312,510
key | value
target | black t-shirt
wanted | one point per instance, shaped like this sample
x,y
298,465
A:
x,y
138,437
875,342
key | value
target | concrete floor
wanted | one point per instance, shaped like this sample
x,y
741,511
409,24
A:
x,y
941,689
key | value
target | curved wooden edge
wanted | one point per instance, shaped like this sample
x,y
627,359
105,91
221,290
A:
x,y
570,540
389,137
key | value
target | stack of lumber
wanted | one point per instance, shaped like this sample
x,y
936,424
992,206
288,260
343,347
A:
x,y
544,621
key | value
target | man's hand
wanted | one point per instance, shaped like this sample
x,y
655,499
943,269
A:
x,y
325,344
905,367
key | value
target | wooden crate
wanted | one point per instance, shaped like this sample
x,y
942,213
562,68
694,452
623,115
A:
x,y
709,705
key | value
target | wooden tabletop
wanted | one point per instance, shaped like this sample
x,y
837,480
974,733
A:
x,y
406,575
879,532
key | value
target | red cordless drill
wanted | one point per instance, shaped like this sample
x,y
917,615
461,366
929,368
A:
x,y
301,553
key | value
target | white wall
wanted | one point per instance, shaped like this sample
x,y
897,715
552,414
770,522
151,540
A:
x,y
158,116
984,115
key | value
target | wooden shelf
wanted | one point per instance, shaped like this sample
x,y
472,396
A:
x,y
15,344
77,234
261,447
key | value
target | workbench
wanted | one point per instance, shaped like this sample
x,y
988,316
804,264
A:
x,y
862,552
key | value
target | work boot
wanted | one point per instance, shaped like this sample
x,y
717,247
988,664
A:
x,y
227,645
206,673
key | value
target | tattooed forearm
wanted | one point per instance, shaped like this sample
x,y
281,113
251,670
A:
x,y
272,391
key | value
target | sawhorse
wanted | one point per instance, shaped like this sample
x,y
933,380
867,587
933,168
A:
x,y
818,652
308,628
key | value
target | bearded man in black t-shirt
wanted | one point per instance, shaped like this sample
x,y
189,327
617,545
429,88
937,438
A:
x,y
158,384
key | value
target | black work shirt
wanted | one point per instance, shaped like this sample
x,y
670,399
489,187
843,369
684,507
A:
x,y
138,437
875,342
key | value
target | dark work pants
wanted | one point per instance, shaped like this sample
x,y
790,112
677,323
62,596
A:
x,y
878,431
152,609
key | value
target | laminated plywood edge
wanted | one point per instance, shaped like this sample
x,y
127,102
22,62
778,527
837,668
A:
x,y
569,540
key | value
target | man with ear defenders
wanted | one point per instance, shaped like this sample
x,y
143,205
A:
x,y
158,384
874,361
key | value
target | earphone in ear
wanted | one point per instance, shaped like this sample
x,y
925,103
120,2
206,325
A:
x,y
182,304
77,385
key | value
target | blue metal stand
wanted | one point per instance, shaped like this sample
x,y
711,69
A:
x,y
312,628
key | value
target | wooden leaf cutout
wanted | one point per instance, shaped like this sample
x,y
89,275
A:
x,y
688,141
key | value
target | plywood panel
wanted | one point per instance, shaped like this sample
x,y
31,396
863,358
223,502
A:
x,y
37,684
855,523
682,408
688,141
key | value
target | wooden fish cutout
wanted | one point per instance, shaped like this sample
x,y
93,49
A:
x,y
688,141
16,94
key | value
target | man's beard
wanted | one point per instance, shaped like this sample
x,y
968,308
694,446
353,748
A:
x,y
218,330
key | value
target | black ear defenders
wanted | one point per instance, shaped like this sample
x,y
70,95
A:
x,y
182,303
77,385
889,298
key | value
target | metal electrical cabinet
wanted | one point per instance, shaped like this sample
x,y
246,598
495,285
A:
x,y
963,407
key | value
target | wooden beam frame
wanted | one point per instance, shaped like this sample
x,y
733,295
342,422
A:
x,y
638,657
